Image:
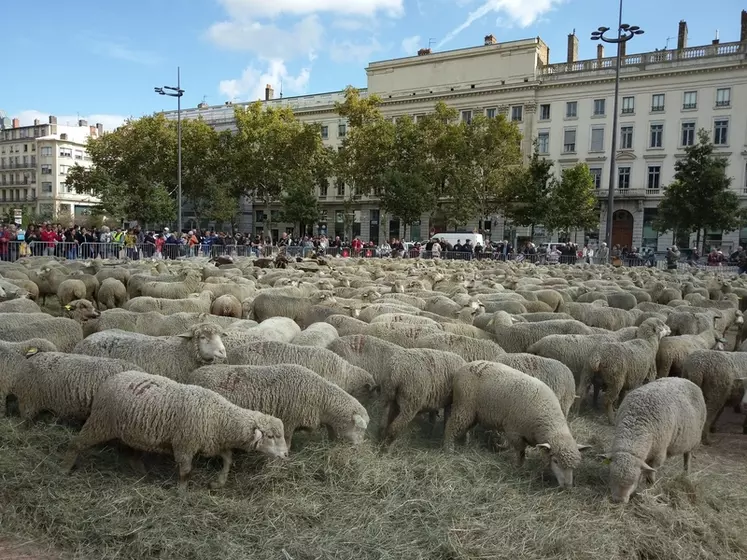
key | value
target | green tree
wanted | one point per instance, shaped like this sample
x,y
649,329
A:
x,y
699,197
525,199
572,203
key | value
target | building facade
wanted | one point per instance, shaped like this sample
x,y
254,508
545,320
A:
x,y
666,96
34,162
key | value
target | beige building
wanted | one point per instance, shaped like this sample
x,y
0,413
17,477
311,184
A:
x,y
665,97
34,162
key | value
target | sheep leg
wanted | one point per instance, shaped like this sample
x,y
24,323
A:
x,y
330,433
289,435
609,405
686,461
184,461
581,391
390,412
744,426
432,418
87,438
460,421
220,482
715,419
520,446
405,416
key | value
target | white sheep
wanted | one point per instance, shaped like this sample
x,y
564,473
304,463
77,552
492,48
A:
x,y
155,414
112,294
62,332
194,304
316,334
227,306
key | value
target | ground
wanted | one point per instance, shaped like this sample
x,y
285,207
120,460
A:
x,y
335,501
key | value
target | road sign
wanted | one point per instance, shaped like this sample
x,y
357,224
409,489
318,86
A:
x,y
17,216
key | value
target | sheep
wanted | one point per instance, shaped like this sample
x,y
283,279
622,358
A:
x,y
62,332
274,305
534,317
407,319
655,421
674,350
19,305
118,273
172,290
112,294
63,384
319,313
470,349
227,306
317,334
420,380
24,286
152,323
519,337
329,365
155,414
718,374
241,291
80,310
195,304
500,397
366,352
626,365
12,362
595,315
298,396
399,333
168,356
90,281
70,290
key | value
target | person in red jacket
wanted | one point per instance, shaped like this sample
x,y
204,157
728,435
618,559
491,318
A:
x,y
49,239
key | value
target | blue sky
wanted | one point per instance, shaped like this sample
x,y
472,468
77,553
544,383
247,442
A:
x,y
101,59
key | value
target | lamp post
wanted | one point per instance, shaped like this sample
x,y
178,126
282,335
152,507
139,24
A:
x,y
177,92
625,33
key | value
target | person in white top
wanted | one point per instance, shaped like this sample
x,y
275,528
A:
x,y
436,250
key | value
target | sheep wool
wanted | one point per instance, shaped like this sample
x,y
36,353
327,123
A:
x,y
155,414
316,334
62,332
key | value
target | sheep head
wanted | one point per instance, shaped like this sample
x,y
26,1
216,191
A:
x,y
207,342
80,310
625,473
263,433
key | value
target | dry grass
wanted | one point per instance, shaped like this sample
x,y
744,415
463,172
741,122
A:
x,y
334,501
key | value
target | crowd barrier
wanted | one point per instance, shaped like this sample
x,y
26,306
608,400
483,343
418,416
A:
x,y
14,250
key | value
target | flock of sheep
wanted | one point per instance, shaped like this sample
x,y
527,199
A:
x,y
194,357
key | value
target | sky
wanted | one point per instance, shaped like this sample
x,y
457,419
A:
x,y
100,61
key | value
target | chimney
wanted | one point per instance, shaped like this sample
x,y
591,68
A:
x,y
52,119
82,122
600,52
623,47
269,92
572,47
16,123
682,35
490,40
100,128
92,130
36,122
423,52
743,30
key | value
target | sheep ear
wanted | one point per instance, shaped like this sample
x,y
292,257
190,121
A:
x,y
646,468
360,422
605,457
258,435
544,446
186,335
583,447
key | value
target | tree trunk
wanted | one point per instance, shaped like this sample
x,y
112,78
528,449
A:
x,y
697,239
532,234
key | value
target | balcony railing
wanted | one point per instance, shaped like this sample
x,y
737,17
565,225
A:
x,y
640,61
29,165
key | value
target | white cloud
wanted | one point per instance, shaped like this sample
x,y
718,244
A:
x,y
519,12
268,41
349,24
120,51
110,122
251,85
250,9
410,45
348,51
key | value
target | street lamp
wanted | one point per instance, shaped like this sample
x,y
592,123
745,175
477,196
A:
x,y
177,92
625,33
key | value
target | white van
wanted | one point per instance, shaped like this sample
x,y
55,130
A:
x,y
453,237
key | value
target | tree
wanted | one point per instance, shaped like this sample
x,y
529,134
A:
x,y
699,197
572,203
525,199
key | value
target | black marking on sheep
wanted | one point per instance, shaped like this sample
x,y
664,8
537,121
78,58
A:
x,y
138,388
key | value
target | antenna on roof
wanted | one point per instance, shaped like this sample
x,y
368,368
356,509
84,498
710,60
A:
x,y
667,44
281,89
204,98
431,41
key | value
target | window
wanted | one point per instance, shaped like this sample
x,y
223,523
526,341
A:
x,y
569,140
325,132
657,102
46,187
261,216
517,113
46,151
723,97
78,154
25,147
599,107
340,184
491,113
690,100
628,107
596,174
544,113
342,130
66,152
597,139
626,137
543,142
64,169
721,132
623,177
467,116
656,136
46,169
654,177
688,133
571,109
323,188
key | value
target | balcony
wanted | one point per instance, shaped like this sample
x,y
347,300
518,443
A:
x,y
29,165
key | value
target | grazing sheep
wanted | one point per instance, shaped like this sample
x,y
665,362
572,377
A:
x,y
499,397
227,306
626,365
168,356
80,310
298,396
534,317
345,325
366,352
515,338
603,317
172,290
13,361
70,290
19,305
407,319
62,332
674,350
420,380
278,305
655,421
719,376
112,294
470,349
152,323
156,414
316,334
165,306
24,286
329,365
63,384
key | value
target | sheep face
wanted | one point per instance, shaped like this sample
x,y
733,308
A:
x,y
269,439
354,430
81,310
208,344
3,295
563,461
626,471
